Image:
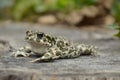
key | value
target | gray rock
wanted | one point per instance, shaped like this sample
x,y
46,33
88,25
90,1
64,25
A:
x,y
105,66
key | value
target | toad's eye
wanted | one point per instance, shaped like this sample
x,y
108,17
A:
x,y
40,35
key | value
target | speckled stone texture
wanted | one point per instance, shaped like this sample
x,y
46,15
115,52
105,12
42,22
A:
x,y
105,66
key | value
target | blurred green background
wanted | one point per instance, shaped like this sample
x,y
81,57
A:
x,y
83,12
19,8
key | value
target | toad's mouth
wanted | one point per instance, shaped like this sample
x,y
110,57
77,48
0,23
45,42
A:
x,y
39,44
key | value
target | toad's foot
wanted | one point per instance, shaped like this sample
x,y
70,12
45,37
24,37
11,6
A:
x,y
20,53
24,51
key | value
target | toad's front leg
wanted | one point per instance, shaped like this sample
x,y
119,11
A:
x,y
50,55
24,51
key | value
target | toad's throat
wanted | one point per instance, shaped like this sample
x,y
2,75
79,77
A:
x,y
39,49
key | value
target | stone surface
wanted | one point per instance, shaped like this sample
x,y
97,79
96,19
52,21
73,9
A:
x,y
105,66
